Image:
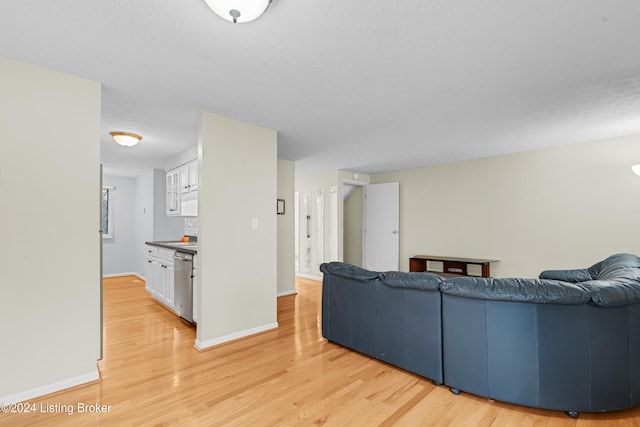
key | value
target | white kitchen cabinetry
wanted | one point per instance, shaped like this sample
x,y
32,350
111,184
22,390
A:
x,y
182,190
173,192
189,189
159,275
153,264
193,175
189,177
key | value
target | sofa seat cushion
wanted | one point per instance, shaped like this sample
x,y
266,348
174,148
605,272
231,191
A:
x,y
399,279
515,289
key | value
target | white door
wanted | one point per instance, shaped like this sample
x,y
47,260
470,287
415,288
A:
x,y
381,235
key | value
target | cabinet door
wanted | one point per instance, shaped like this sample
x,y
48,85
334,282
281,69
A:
x,y
173,192
169,290
156,276
193,175
148,274
184,179
160,288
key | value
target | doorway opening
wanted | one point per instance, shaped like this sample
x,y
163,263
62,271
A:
x,y
352,221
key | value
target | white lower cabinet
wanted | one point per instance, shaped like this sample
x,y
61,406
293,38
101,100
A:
x,y
149,270
159,275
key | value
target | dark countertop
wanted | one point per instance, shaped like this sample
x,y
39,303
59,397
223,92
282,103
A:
x,y
185,247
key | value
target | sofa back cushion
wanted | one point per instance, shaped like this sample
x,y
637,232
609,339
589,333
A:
x,y
415,280
349,271
515,289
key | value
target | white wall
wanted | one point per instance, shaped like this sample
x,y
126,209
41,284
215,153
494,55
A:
x,y
182,158
143,214
563,207
148,218
286,267
118,256
151,222
165,227
49,229
238,264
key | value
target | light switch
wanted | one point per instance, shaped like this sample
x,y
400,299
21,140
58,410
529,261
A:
x,y
254,223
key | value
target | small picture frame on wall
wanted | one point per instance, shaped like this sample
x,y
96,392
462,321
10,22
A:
x,y
280,206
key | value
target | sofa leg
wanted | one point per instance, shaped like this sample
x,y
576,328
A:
x,y
572,414
454,391
436,383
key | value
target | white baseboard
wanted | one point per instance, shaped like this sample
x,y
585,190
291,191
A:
x,y
201,345
138,275
51,388
285,293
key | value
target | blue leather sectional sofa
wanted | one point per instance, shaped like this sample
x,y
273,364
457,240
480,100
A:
x,y
569,340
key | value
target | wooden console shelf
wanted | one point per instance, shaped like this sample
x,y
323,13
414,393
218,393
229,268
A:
x,y
451,265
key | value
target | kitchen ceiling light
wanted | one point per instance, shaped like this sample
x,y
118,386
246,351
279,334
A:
x,y
126,139
238,10
636,169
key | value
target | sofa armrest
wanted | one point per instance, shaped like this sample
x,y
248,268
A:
x,y
523,290
613,293
414,280
571,276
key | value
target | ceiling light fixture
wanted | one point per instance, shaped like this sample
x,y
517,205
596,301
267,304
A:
x,y
636,169
126,139
238,10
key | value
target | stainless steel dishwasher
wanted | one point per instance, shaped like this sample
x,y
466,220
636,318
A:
x,y
182,274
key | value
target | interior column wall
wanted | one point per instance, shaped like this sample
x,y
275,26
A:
x,y
237,229
286,256
50,214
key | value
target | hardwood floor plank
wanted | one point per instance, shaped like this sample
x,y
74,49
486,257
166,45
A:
x,y
152,375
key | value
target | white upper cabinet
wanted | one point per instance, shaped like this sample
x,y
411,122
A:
x,y
182,190
193,175
173,192
189,177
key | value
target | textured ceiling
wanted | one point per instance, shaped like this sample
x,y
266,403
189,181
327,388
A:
x,y
367,86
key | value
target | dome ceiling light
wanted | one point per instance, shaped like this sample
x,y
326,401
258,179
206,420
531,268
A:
x,y
238,11
126,139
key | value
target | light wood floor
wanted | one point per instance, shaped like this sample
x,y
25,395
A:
x,y
152,375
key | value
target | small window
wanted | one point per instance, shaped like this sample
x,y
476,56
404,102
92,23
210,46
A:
x,y
107,212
